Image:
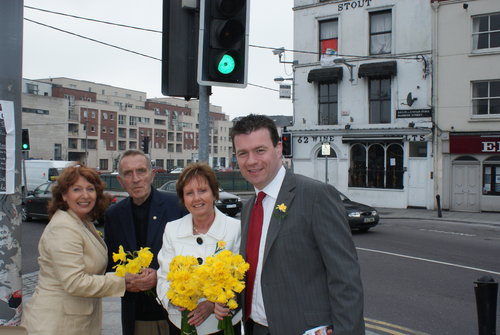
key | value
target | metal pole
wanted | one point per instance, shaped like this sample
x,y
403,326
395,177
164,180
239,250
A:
x,y
326,169
86,142
204,104
11,39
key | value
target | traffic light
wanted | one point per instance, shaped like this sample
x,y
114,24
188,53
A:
x,y
223,43
286,141
179,50
25,140
145,144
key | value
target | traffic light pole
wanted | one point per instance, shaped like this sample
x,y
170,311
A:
x,y
11,39
204,104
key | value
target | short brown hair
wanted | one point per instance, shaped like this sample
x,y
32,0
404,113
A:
x,y
69,177
197,170
253,122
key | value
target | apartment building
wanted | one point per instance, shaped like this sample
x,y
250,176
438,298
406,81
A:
x,y
79,120
467,103
363,116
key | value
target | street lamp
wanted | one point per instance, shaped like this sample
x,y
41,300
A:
x,y
281,79
341,60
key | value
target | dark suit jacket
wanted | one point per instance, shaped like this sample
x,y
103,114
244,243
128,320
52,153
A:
x,y
119,230
310,275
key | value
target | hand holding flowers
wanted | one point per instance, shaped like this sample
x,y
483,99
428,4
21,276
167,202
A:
x,y
217,280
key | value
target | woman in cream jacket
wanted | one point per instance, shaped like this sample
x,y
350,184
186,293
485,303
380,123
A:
x,y
197,234
73,259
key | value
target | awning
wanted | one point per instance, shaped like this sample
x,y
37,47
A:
x,y
325,75
380,69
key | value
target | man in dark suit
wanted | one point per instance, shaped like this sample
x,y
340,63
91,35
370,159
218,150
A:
x,y
135,222
305,267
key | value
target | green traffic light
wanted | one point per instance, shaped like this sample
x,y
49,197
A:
x,y
25,146
226,64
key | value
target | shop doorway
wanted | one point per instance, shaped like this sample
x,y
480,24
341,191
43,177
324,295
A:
x,y
417,182
465,184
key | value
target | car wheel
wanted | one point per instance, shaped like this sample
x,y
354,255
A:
x,y
24,214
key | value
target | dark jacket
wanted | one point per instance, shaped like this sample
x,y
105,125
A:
x,y
119,230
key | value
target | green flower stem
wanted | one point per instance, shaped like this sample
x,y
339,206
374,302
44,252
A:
x,y
186,328
226,325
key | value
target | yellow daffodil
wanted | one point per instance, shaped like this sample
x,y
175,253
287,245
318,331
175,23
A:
x,y
138,260
120,256
281,208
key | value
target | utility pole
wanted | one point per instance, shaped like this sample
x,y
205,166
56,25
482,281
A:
x,y
11,39
204,105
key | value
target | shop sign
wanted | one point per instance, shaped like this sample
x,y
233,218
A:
x,y
474,144
317,138
406,113
353,4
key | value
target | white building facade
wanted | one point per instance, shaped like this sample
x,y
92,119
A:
x,y
363,88
467,87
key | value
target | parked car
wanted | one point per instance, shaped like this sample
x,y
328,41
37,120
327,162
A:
x,y
177,170
36,202
228,203
360,217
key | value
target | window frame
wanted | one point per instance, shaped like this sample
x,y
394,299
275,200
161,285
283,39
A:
x,y
328,100
380,33
380,100
477,32
488,98
332,39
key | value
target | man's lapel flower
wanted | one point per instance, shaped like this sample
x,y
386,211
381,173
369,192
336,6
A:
x,y
280,211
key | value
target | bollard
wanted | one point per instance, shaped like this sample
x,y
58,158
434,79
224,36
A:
x,y
438,199
486,290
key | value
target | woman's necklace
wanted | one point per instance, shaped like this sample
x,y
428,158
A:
x,y
197,232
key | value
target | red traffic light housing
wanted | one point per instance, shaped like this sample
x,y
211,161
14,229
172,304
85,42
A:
x,y
286,142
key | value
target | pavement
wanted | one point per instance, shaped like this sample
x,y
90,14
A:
x,y
111,306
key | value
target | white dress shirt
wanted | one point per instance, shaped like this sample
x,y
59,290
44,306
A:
x,y
258,312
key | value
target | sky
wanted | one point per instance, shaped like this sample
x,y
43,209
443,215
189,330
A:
x,y
51,53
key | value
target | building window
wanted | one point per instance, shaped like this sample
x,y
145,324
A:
x,y
486,32
328,103
328,37
418,149
103,164
491,176
57,151
377,165
486,98
122,119
380,32
380,100
31,88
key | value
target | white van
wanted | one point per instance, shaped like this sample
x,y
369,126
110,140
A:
x,y
39,171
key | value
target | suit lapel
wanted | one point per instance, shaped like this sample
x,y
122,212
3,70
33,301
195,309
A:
x,y
285,196
245,222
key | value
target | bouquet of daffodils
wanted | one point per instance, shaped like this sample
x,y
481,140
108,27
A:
x,y
184,290
217,280
131,262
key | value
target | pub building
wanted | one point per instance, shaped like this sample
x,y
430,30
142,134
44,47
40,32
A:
x,y
363,116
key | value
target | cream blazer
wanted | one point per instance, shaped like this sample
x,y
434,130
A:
x,y
178,239
71,281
